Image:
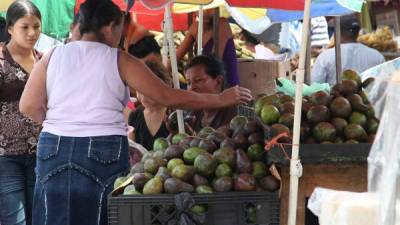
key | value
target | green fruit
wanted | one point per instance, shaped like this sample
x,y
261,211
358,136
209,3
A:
x,y
237,122
351,75
140,179
177,138
358,118
153,186
320,98
223,170
160,144
339,124
119,181
372,126
269,114
317,114
183,172
324,132
163,172
190,154
255,152
352,141
174,186
259,170
262,101
287,119
173,151
204,189
131,190
245,182
223,184
355,132
152,165
340,107
173,163
225,155
205,131
270,183
205,164
198,209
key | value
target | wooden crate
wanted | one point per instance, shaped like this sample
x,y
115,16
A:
x,y
339,167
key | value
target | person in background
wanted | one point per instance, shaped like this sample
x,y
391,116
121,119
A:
x,y
148,119
75,34
78,92
4,37
355,56
319,35
205,74
18,134
146,49
132,32
260,50
226,51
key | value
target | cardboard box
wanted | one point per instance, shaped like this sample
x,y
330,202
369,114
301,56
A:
x,y
389,18
259,75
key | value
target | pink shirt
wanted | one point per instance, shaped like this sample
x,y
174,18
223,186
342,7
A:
x,y
86,95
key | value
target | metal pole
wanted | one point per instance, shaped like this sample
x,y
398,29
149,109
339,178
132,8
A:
x,y
295,164
338,50
216,32
200,31
174,65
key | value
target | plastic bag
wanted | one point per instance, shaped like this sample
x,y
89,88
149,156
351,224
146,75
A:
x,y
384,158
289,87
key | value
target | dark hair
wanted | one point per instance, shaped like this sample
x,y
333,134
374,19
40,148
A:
x,y
19,9
249,38
144,47
350,26
75,21
160,71
212,65
4,37
94,14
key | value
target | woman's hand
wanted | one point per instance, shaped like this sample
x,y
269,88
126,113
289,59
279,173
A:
x,y
236,95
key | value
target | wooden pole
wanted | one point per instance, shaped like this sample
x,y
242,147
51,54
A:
x,y
172,54
296,169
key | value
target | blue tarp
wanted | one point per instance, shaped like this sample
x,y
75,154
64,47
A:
x,y
318,8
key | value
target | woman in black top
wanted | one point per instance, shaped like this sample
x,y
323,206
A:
x,y
148,119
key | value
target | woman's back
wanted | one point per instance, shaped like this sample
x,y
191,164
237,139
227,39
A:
x,y
86,95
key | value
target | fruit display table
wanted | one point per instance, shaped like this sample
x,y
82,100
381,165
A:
x,y
334,166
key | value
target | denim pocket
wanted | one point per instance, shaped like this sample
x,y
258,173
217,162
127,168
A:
x,y
48,145
105,149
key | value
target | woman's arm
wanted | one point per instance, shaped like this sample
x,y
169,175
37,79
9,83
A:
x,y
34,97
139,77
187,43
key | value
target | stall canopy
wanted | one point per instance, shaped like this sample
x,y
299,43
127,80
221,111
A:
x,y
263,20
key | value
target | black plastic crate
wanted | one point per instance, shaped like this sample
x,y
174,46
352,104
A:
x,y
230,208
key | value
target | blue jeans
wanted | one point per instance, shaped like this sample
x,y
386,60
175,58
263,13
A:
x,y
74,177
17,180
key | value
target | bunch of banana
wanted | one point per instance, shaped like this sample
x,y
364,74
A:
x,y
381,40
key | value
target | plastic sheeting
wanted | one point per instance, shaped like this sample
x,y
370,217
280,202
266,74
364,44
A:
x,y
384,158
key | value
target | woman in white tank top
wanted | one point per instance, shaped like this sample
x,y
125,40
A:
x,y
79,92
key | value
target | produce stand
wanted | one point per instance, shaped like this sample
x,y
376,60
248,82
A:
x,y
334,166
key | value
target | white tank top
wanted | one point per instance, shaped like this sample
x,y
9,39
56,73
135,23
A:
x,y
86,96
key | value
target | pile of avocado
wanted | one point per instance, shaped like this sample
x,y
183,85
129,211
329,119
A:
x,y
230,158
344,115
